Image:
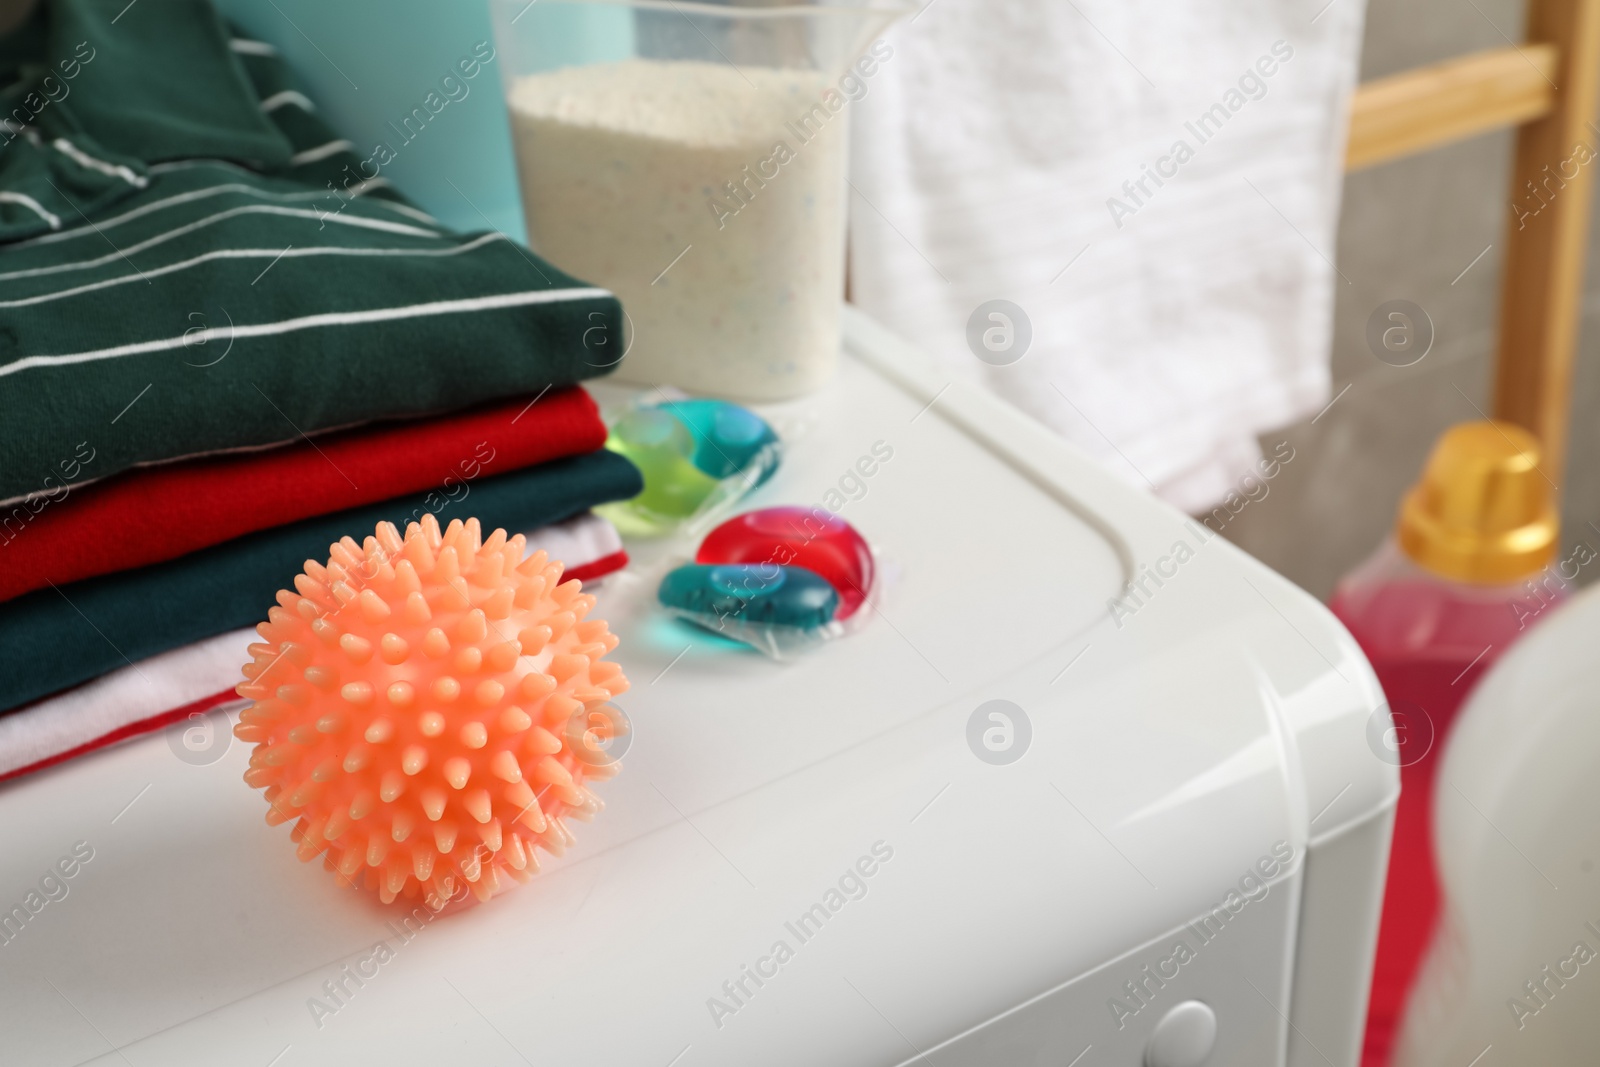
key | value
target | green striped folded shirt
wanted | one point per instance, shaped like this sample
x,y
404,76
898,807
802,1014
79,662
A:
x,y
192,262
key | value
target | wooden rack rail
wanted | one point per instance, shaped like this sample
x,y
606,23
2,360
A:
x,y
1546,88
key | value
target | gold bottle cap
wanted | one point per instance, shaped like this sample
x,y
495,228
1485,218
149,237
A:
x,y
1483,511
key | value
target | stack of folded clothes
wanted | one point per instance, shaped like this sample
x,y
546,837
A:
x,y
220,354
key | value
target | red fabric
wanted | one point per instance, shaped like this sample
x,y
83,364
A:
x,y
122,733
1411,891
598,568
160,513
586,572
1410,908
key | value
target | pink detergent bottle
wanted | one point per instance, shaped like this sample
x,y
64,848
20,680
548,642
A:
x,y
1470,567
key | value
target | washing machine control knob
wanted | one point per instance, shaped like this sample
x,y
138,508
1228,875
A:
x,y
1184,1036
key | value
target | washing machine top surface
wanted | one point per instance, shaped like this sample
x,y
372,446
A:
x,y
1073,719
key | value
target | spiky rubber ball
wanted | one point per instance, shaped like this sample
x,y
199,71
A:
x,y
426,710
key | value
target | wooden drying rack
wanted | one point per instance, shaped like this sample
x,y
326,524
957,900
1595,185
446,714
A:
x,y
1547,88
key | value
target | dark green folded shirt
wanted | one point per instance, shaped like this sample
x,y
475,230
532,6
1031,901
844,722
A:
x,y
59,637
191,260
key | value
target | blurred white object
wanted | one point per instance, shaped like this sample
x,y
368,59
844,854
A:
x,y
1179,299
1516,962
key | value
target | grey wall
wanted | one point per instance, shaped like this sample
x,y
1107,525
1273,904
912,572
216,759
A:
x,y
1408,230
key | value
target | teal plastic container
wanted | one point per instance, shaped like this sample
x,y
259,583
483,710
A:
x,y
371,66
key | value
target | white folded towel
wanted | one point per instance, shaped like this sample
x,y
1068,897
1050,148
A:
x,y
1173,317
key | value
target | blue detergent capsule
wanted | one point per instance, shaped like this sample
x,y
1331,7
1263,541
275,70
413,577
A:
x,y
698,456
729,439
762,604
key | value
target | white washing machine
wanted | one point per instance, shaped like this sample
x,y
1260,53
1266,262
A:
x,y
1089,787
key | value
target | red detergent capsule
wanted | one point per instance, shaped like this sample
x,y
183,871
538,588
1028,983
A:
x,y
812,538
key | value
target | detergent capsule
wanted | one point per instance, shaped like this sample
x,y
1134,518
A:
x,y
729,439
698,456
662,447
817,540
773,608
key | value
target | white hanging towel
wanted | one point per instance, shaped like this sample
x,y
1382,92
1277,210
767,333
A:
x,y
1155,183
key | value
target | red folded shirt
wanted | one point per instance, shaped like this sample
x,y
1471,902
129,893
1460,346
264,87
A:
x,y
163,512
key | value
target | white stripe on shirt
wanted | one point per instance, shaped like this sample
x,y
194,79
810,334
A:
x,y
227,164
322,151
497,302
217,190
395,205
32,205
256,209
245,46
288,96
251,253
84,159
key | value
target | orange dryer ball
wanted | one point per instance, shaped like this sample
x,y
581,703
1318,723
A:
x,y
427,709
